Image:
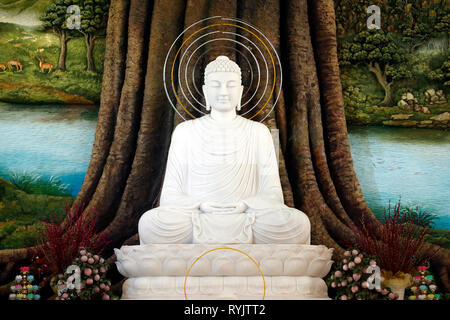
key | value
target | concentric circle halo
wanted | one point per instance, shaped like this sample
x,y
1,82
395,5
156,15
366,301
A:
x,y
251,47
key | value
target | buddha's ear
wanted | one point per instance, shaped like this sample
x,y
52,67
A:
x,y
207,105
238,107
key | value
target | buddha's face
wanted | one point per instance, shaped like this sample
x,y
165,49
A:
x,y
223,90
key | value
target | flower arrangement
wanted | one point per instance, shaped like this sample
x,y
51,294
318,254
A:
x,y
424,287
349,279
91,271
24,289
398,244
60,240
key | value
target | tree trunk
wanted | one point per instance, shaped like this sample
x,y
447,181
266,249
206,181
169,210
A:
x,y
381,78
63,39
89,40
136,120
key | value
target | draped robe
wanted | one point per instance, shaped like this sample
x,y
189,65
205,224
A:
x,y
225,162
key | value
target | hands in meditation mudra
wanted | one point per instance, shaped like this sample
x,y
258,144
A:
x,y
222,183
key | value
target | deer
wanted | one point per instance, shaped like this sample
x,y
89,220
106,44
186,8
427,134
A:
x,y
16,64
3,67
43,66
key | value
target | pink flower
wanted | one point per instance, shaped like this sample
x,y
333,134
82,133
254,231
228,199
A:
x,y
333,284
361,255
89,281
351,265
102,286
105,297
96,289
102,270
97,277
391,296
347,253
349,279
355,289
338,274
355,252
365,285
64,296
357,260
356,276
91,260
84,258
344,283
107,288
344,261
95,271
87,272
345,267
83,252
96,257
373,263
344,297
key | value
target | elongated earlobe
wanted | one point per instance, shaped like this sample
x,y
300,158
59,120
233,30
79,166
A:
x,y
207,105
238,107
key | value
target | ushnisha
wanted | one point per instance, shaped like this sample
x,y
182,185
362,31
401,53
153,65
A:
x,y
221,183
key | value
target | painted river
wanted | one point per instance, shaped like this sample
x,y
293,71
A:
x,y
413,164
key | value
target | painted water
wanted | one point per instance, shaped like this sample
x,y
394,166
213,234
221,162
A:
x,y
413,164
404,163
47,141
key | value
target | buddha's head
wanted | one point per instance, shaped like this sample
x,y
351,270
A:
x,y
223,86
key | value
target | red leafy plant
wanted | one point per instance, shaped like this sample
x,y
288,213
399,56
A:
x,y
398,245
60,240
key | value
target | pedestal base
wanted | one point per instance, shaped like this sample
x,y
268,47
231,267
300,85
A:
x,y
288,271
225,288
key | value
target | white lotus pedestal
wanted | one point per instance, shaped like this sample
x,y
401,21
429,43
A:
x,y
237,271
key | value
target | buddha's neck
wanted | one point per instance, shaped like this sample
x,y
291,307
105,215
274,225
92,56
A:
x,y
223,116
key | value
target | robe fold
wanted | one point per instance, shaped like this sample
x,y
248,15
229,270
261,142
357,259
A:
x,y
221,162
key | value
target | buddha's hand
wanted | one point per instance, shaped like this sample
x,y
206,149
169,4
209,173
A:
x,y
223,208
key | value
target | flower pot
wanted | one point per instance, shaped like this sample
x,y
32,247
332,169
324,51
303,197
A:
x,y
397,282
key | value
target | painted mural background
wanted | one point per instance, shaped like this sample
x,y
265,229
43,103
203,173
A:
x,y
395,82
50,84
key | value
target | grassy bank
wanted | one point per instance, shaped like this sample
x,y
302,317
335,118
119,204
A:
x,y
20,214
75,86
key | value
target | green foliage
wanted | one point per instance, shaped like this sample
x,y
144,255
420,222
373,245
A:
x,y
20,214
55,16
31,86
94,15
369,47
442,74
35,184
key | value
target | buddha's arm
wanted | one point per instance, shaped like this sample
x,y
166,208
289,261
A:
x,y
172,193
270,194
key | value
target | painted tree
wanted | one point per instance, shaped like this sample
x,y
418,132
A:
x,y
415,21
441,74
375,49
136,120
55,18
94,17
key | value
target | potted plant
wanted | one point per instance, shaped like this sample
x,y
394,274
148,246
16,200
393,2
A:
x,y
61,240
399,247
350,279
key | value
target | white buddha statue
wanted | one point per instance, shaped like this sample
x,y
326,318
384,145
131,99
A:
x,y
222,183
